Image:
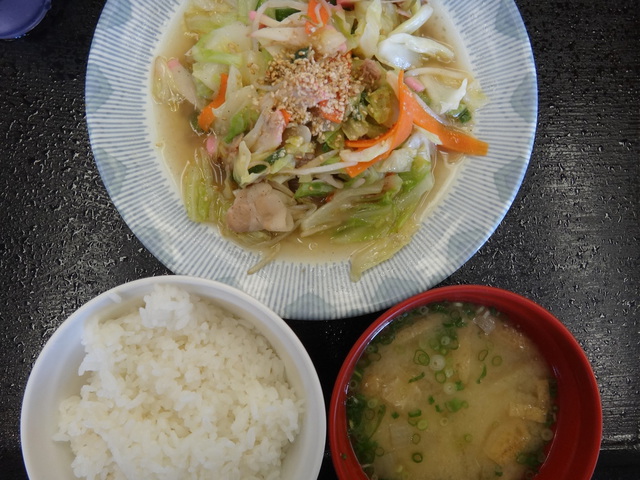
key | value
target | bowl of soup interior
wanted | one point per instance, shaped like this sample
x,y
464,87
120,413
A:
x,y
465,382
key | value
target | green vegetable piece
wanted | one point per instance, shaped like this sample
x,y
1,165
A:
x,y
483,374
461,114
333,141
420,376
421,358
314,189
282,13
301,53
240,123
454,405
278,154
381,104
257,168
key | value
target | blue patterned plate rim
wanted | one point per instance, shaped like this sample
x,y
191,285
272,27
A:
x,y
121,130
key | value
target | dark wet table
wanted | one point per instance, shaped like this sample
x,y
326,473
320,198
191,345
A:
x,y
569,242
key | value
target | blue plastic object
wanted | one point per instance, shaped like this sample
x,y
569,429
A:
x,y
17,17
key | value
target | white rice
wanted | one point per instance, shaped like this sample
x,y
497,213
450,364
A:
x,y
179,389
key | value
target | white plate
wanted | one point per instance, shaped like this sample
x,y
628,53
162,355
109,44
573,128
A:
x,y
121,130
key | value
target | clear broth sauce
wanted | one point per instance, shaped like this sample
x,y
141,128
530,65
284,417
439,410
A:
x,y
451,392
177,142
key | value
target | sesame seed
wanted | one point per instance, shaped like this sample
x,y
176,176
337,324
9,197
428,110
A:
x,y
309,86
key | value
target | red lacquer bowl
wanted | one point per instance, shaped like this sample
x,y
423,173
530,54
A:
x,y
574,450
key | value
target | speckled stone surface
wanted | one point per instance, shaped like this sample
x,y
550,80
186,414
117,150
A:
x,y
571,241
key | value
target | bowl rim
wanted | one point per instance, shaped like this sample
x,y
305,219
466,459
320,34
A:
x,y
268,323
574,450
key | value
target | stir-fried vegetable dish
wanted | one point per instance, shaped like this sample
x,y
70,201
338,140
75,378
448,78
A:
x,y
317,120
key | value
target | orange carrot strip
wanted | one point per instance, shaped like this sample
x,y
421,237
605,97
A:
x,y
333,115
206,117
452,139
286,115
318,14
398,133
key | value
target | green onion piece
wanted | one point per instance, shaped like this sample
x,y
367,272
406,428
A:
x,y
415,413
301,53
547,434
461,114
259,168
459,385
314,189
415,439
371,348
454,405
441,377
483,354
431,400
483,374
421,358
417,457
468,437
496,361
423,424
278,154
417,377
395,415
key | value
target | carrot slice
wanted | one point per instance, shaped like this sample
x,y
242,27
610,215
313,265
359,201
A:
x,y
332,114
398,133
286,115
206,117
452,139
318,15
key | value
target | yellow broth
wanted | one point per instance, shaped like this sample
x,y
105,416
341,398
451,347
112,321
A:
x,y
451,391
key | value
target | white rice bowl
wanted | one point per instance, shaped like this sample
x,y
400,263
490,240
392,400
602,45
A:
x,y
179,378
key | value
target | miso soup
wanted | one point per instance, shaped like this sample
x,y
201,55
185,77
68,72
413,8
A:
x,y
451,391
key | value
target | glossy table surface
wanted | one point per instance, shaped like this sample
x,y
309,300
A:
x,y
569,242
